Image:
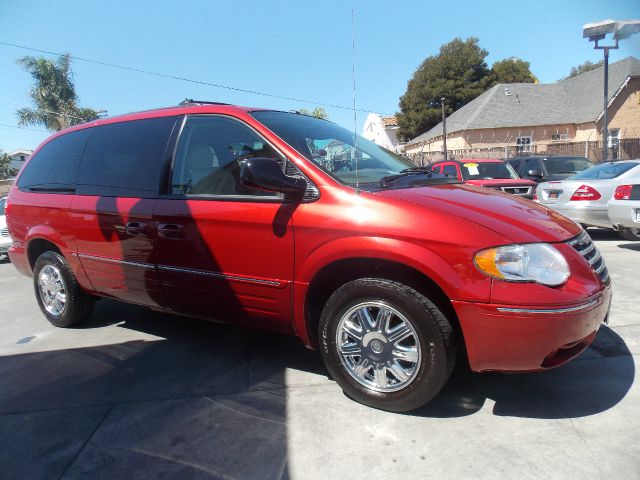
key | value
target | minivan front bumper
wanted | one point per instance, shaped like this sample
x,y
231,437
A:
x,y
529,338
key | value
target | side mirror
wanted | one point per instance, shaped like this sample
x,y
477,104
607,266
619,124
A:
x,y
266,174
534,172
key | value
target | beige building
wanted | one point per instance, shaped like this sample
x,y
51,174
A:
x,y
564,117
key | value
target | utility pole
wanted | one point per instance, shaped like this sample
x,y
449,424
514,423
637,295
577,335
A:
x,y
444,129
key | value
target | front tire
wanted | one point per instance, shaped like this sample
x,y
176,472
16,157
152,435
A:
x,y
385,344
59,296
631,234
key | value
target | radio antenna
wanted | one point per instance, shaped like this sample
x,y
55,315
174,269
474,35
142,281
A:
x,y
353,74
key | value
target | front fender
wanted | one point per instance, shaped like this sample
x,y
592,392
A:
x,y
456,279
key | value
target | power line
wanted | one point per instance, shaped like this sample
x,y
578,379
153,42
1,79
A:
x,y
24,128
185,79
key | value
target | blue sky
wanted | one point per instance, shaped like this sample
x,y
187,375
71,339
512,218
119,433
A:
x,y
294,49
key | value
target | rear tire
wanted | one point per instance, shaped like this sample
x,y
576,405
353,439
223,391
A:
x,y
385,344
631,234
59,296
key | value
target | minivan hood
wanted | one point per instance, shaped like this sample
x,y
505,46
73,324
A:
x,y
517,219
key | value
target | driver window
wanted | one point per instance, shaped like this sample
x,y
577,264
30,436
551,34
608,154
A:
x,y
450,170
209,156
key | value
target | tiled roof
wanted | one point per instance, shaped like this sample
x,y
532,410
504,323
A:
x,y
574,100
389,121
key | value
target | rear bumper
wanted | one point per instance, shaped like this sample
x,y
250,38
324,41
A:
x,y
624,213
597,217
18,256
529,338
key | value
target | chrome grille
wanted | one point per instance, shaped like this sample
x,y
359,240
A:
x,y
585,247
517,190
4,232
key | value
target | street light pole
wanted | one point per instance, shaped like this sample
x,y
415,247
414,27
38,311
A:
x,y
598,31
605,124
444,129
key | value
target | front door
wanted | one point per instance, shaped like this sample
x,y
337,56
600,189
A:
x,y
224,251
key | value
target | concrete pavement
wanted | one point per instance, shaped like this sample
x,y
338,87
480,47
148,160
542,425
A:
x,y
137,394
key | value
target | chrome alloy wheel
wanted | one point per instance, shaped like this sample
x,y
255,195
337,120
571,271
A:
x,y
378,346
53,291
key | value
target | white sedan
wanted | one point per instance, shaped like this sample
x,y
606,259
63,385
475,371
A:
x,y
583,197
5,239
624,207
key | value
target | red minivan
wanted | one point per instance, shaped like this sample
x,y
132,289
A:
x,y
291,223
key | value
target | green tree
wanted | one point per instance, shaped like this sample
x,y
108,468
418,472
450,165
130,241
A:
x,y
458,73
584,67
5,170
317,112
54,95
512,70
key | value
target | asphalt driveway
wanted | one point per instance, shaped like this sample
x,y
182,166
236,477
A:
x,y
137,394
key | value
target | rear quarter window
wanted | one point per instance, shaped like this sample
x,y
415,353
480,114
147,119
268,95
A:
x,y
125,159
605,171
54,167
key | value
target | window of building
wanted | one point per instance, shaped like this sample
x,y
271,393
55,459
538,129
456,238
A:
x,y
125,159
560,137
209,156
523,144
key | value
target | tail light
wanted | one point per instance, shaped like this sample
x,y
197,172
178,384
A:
x,y
623,192
585,192
535,195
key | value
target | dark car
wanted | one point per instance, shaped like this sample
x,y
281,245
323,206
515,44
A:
x,y
545,168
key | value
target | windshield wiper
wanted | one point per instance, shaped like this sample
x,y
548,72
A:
x,y
406,178
416,169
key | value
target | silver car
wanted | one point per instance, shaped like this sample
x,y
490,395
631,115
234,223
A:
x,y
5,240
624,207
583,197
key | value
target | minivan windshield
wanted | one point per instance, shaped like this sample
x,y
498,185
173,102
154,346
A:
x,y
605,171
334,149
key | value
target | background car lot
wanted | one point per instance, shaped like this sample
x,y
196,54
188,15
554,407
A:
x,y
137,394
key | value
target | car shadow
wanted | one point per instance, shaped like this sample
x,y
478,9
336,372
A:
x,y
592,383
189,397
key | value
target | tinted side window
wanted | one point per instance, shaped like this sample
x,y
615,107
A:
x,y
54,167
125,159
209,156
530,164
515,164
450,170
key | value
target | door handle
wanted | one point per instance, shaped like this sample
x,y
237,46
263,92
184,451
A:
x,y
171,231
136,228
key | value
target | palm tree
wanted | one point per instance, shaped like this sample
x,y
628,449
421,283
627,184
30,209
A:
x,y
53,94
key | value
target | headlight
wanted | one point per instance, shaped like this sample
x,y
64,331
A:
x,y
534,262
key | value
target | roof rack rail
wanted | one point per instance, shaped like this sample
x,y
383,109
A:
x,y
191,101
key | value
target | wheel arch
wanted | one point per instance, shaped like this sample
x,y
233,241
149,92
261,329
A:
x,y
339,272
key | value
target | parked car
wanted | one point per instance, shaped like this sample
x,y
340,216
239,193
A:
x,y
230,213
547,168
624,208
583,197
5,239
486,172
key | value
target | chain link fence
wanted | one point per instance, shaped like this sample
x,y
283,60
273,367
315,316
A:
x,y
621,147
